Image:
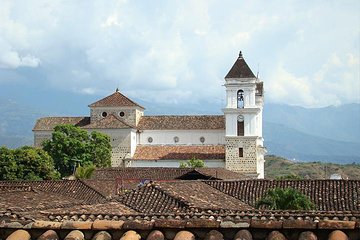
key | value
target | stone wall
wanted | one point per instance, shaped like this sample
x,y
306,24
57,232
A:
x,y
120,140
40,136
245,164
131,115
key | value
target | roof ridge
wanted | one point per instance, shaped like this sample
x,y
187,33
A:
x,y
121,120
117,93
93,189
155,186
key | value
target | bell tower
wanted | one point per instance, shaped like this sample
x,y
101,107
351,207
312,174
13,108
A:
x,y
243,119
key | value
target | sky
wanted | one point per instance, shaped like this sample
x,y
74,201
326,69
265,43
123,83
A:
x,y
60,56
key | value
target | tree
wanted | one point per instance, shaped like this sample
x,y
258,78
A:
x,y
192,163
8,167
26,163
285,199
71,145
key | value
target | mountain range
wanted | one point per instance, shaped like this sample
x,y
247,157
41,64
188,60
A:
x,y
329,134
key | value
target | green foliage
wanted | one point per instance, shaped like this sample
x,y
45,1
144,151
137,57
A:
x,y
26,163
285,199
289,177
84,172
8,167
70,143
192,163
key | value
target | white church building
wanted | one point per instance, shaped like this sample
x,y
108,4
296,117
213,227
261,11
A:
x,y
232,140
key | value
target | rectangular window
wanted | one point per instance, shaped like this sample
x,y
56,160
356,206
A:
x,y
241,152
240,128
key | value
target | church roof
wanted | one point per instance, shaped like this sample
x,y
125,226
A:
x,y
115,100
48,123
203,122
240,69
181,152
111,121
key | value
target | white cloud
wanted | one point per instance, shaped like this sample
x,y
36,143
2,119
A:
x,y
180,50
12,59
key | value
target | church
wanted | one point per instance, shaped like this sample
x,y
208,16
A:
x,y
232,140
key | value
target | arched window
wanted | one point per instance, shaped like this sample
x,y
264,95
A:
x,y
240,98
240,125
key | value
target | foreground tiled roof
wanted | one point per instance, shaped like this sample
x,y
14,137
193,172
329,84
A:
x,y
163,173
328,195
115,100
204,122
48,123
180,152
22,198
111,121
217,174
191,229
174,206
150,173
240,69
73,189
201,208
151,199
198,195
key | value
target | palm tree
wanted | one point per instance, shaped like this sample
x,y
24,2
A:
x,y
285,199
84,172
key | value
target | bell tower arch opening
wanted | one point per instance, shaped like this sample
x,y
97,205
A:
x,y
240,99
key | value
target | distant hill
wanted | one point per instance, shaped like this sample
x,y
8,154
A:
x,y
341,123
330,134
278,166
16,123
287,142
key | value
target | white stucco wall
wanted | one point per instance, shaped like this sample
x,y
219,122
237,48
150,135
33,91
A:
x,y
186,137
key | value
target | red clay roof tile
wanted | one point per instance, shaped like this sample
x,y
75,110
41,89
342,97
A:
x,y
48,123
204,122
115,100
168,152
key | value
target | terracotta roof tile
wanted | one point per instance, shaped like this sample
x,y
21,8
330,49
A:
x,y
111,121
197,195
115,100
139,173
217,173
35,200
162,152
48,123
111,208
328,195
203,122
240,69
151,199
74,189
160,173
